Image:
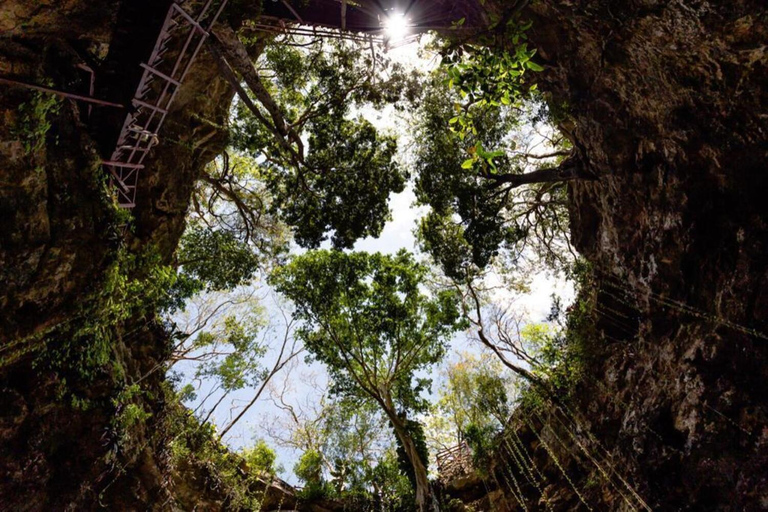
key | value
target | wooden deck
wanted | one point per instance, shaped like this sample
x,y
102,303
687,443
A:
x,y
454,462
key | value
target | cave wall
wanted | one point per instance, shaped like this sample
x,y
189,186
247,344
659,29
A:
x,y
665,103
60,448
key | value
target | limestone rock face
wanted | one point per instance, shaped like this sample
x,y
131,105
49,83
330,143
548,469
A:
x,y
67,19
665,102
59,233
54,221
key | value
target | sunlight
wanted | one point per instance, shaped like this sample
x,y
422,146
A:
x,y
396,27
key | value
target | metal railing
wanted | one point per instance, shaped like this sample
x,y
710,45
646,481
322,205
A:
x,y
178,44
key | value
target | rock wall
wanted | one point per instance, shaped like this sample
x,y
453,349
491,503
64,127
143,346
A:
x,y
60,448
666,104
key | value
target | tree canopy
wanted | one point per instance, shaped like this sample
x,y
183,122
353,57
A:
x,y
328,170
305,164
367,319
479,210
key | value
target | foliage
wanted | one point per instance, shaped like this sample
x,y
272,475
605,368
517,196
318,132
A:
x,y
476,215
135,286
489,192
392,489
231,353
488,72
230,218
346,192
216,259
473,406
480,439
197,453
564,347
309,469
130,413
343,440
354,432
416,431
383,486
367,319
474,393
261,458
34,120
341,181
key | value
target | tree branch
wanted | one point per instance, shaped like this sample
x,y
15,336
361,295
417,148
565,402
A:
x,y
279,364
237,56
568,170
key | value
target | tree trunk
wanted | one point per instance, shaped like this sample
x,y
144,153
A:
x,y
423,493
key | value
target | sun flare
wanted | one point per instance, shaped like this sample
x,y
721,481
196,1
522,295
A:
x,y
396,27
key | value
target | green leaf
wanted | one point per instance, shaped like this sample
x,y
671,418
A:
x,y
533,66
468,163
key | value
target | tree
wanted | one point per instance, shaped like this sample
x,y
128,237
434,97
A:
x,y
500,204
325,169
230,230
392,490
345,445
500,333
223,339
473,405
367,319
228,354
356,434
491,186
261,458
300,424
549,357
216,259
346,434
309,470
475,392
348,438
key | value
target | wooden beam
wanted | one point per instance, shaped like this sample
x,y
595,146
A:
x,y
293,11
343,14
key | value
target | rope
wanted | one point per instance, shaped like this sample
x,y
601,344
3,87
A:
x,y
614,282
525,463
600,469
555,460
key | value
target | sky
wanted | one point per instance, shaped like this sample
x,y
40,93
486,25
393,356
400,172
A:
x,y
305,382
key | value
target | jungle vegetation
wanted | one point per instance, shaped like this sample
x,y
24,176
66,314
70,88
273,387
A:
x,y
306,176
